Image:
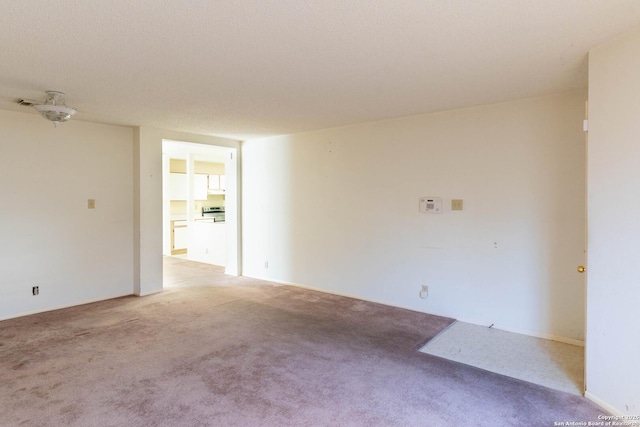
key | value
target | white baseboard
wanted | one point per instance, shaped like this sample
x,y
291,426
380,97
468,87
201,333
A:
x,y
551,337
60,307
144,294
565,340
341,294
601,403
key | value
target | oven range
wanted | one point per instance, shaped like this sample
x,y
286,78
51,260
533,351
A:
x,y
216,212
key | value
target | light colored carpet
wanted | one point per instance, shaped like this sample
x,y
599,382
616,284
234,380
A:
x,y
548,363
218,350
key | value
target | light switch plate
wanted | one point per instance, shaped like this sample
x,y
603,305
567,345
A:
x,y
456,204
91,203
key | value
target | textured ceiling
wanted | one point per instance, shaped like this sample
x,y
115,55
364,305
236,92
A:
x,y
247,68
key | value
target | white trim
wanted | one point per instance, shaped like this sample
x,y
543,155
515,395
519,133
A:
x,y
73,304
341,294
601,403
191,145
551,337
572,341
144,294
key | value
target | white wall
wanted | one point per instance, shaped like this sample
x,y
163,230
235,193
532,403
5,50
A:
x,y
49,237
338,210
613,331
147,180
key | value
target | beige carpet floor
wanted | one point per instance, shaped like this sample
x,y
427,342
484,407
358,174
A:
x,y
216,350
549,363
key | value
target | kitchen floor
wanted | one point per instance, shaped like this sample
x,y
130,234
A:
x,y
180,272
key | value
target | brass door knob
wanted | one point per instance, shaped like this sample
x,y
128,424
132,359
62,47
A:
x,y
581,269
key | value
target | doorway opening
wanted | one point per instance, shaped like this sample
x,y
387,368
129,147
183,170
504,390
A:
x,y
200,204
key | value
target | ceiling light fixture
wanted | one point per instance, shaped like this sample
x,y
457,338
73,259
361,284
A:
x,y
54,108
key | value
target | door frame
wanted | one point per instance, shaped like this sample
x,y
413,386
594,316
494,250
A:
x,y
230,156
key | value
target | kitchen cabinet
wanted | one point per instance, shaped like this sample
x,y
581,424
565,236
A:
x,y
216,184
179,237
178,186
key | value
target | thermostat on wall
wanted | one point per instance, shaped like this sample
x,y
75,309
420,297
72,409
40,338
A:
x,y
431,205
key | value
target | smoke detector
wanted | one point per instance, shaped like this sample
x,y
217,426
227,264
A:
x,y
54,108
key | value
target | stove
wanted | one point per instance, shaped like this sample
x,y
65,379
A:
x,y
215,212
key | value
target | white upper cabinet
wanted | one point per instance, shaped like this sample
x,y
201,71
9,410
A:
x,y
216,184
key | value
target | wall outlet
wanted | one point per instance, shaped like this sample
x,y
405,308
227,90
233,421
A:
x,y
266,264
91,203
35,290
424,292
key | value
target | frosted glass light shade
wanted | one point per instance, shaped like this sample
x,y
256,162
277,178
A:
x,y
54,108
55,113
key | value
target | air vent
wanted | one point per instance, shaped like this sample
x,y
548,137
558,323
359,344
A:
x,y
26,102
